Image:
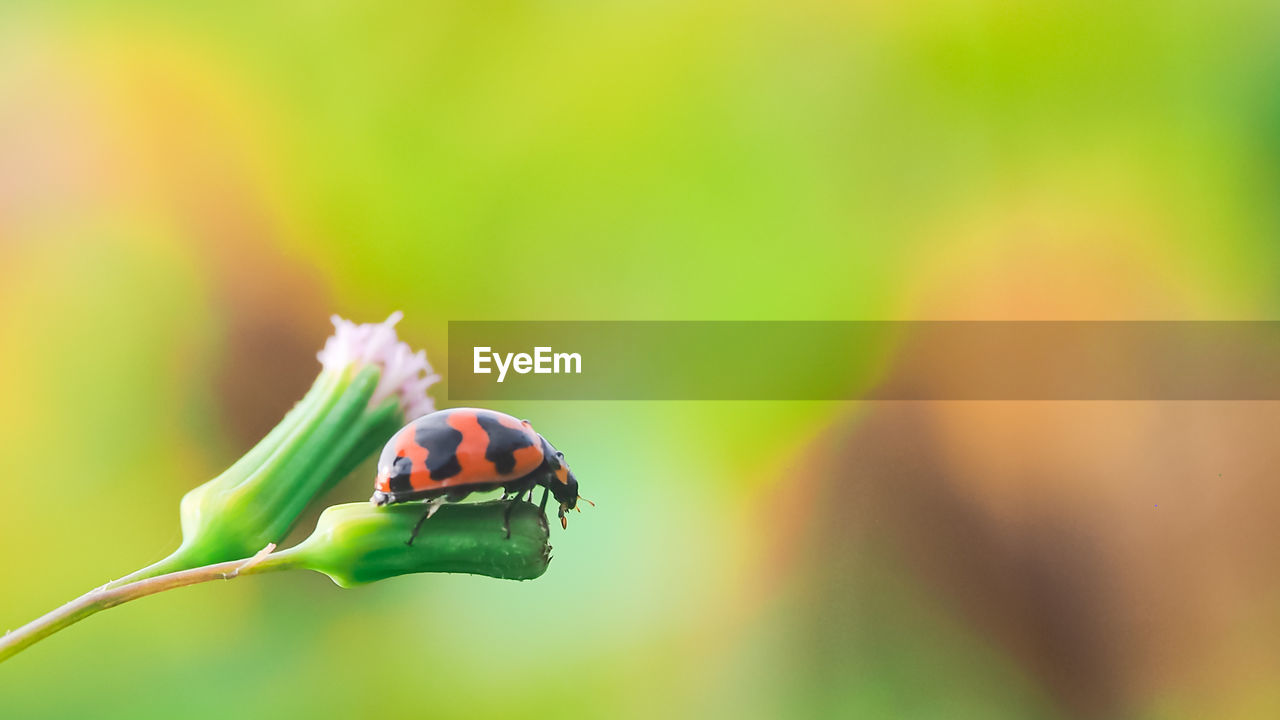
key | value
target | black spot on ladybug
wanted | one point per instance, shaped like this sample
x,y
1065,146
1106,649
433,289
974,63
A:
x,y
441,441
503,443
552,457
400,472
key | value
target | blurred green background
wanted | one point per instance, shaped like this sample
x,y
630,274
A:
x,y
186,193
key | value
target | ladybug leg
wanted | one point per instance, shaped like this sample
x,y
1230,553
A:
x,y
417,527
432,506
506,516
545,492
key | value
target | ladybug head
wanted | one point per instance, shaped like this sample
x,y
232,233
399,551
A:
x,y
563,485
396,472
565,488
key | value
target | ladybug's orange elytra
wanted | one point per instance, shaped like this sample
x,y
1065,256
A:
x,y
447,455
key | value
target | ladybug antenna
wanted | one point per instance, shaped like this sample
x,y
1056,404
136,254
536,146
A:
x,y
586,501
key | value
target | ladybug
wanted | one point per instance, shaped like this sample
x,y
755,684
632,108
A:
x,y
449,454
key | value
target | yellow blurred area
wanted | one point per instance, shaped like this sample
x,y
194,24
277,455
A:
x,y
188,191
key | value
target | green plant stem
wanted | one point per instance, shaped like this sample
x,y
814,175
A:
x,y
105,597
170,564
353,544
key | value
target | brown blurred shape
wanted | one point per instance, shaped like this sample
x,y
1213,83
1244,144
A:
x,y
1122,552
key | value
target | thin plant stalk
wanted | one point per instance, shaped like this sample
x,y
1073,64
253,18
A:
x,y
107,596
354,544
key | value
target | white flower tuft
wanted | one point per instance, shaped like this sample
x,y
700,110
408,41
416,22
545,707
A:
x,y
406,375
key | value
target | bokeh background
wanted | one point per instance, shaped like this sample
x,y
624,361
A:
x,y
187,192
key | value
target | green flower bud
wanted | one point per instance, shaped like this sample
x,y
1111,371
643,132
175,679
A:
x,y
358,543
370,386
